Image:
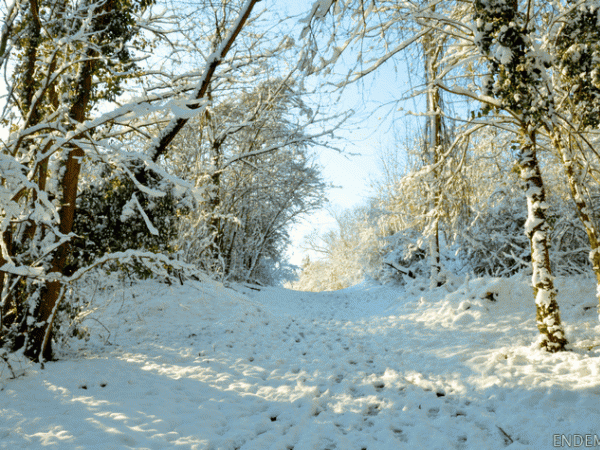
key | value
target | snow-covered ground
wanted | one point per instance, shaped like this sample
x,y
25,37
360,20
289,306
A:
x,y
203,367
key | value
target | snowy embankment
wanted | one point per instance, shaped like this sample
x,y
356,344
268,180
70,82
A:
x,y
370,367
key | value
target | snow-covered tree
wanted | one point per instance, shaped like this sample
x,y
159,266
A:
x,y
576,80
348,253
497,40
66,109
252,151
516,80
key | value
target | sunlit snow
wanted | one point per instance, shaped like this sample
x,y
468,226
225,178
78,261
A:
x,y
200,366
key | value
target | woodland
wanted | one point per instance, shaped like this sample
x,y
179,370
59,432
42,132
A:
x,y
175,140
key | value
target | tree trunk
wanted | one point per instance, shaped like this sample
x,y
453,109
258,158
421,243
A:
x,y
433,147
38,342
574,176
215,224
547,313
5,297
434,256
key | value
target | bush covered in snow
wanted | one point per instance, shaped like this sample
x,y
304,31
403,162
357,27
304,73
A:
x,y
387,239
113,215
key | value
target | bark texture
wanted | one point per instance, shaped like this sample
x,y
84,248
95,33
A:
x,y
547,312
434,143
576,186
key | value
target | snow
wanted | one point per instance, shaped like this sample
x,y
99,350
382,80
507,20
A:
x,y
128,209
128,212
200,366
544,299
504,54
25,271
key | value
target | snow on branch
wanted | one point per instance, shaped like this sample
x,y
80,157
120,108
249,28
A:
x,y
149,258
457,90
128,212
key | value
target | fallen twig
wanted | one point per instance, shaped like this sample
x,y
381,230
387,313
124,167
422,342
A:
x,y
507,439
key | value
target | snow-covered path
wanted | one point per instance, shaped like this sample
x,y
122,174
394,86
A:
x,y
369,367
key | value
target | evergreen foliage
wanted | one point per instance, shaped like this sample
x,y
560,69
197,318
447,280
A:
x,y
109,219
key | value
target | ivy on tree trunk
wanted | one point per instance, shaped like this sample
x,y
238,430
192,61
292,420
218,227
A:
x,y
547,313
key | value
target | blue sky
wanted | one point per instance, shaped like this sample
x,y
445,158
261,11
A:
x,y
352,170
371,130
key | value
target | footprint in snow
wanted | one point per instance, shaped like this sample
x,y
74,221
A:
x,y
399,434
373,410
433,412
379,385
